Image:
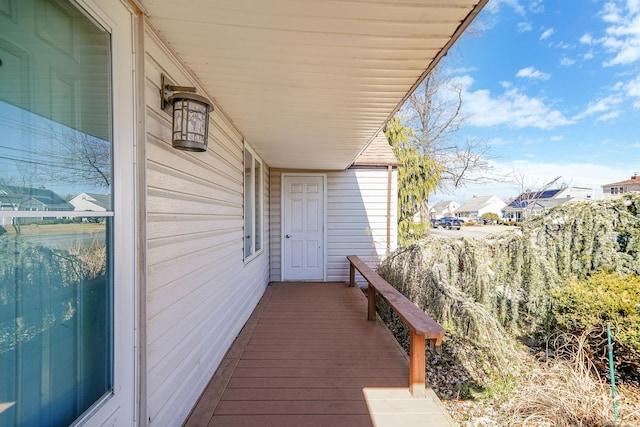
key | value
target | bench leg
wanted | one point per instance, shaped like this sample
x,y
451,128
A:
x,y
352,275
417,365
371,295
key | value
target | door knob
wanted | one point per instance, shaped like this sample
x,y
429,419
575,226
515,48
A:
x,y
287,236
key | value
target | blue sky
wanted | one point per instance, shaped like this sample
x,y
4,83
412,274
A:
x,y
553,86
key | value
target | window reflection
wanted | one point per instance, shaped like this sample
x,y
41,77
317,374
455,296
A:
x,y
55,319
56,213
44,164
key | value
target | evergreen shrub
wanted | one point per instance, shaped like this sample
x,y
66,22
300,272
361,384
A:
x,y
588,306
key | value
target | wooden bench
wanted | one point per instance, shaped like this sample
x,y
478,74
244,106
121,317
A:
x,y
421,326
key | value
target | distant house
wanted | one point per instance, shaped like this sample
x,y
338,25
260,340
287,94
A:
x,y
91,202
31,199
477,206
533,202
442,209
15,198
617,189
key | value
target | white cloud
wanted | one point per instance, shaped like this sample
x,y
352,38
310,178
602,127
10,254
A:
x,y
556,138
608,116
537,174
611,13
495,5
567,62
532,73
618,86
546,34
628,54
633,87
600,106
633,90
622,35
536,6
500,141
562,45
587,56
512,108
524,27
587,175
586,39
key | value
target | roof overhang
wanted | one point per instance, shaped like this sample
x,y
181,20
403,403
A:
x,y
309,83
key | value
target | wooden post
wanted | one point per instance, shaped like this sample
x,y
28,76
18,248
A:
x,y
352,275
371,313
417,365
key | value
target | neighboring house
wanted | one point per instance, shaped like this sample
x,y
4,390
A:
x,y
282,192
91,202
617,189
15,198
534,202
479,205
442,209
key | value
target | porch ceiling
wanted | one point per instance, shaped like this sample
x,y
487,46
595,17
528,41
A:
x,y
309,83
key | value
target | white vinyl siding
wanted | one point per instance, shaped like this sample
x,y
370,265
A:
x,y
356,219
199,292
275,225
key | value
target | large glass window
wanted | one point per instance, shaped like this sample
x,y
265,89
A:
x,y
253,184
56,213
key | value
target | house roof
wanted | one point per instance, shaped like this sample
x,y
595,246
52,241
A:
x,y
476,203
102,200
14,195
442,205
541,204
635,179
378,153
524,199
309,83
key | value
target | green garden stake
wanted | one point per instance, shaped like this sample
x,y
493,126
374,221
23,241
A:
x,y
613,378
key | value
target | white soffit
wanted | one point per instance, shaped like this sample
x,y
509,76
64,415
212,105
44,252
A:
x,y
309,82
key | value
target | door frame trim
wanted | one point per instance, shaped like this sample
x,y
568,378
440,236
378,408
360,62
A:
x,y
324,219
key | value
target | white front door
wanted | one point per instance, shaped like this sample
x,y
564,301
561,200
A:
x,y
303,227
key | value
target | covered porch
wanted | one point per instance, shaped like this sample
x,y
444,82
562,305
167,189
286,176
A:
x,y
308,357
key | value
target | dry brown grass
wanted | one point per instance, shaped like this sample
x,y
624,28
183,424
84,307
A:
x,y
568,392
83,227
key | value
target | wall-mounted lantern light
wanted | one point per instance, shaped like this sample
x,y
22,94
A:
x,y
190,115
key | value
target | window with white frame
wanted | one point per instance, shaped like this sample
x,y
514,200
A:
x,y
57,346
253,203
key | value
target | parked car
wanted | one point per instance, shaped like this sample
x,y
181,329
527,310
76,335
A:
x,y
450,223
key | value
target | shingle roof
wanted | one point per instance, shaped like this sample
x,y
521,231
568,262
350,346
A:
x,y
17,195
474,204
102,200
440,206
635,179
378,153
527,197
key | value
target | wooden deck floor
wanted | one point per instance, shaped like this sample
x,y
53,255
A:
x,y
308,357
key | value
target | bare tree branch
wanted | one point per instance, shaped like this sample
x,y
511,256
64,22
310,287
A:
x,y
434,113
86,158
